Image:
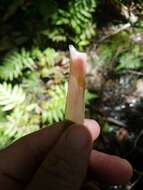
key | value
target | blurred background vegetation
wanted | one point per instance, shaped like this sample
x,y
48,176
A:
x,y
34,67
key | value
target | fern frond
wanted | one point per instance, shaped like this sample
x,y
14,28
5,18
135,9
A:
x,y
14,63
33,85
11,67
26,59
10,97
50,56
55,35
53,110
21,121
131,59
78,18
5,140
46,57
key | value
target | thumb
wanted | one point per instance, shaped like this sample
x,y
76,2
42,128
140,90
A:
x,y
66,164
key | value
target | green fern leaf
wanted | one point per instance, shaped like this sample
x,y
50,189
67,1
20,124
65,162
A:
x,y
20,121
78,18
14,63
55,35
54,108
11,67
131,59
10,97
26,59
32,84
50,55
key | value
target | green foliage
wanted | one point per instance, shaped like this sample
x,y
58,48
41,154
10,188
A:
x,y
21,121
54,108
14,63
10,97
104,55
131,59
33,85
89,96
75,23
47,57
4,139
50,55
31,101
110,49
119,54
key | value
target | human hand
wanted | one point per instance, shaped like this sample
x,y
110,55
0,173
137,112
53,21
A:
x,y
57,158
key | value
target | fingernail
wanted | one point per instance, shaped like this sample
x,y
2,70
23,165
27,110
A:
x,y
93,128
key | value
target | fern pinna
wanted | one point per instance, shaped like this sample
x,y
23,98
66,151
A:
x,y
28,103
10,97
77,20
14,63
54,108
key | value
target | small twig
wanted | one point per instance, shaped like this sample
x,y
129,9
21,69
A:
x,y
136,73
124,27
133,184
115,121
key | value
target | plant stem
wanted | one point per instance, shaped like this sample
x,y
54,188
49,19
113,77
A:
x,y
75,105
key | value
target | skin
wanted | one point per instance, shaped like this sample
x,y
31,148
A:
x,y
59,157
